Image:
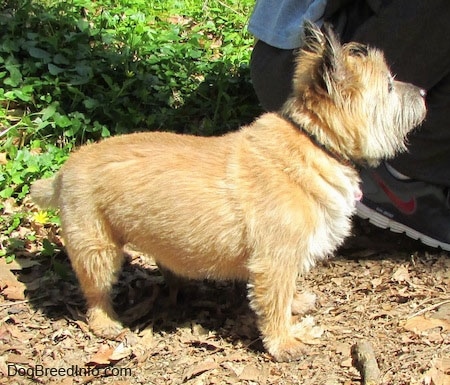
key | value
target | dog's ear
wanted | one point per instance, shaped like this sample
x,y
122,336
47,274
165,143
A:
x,y
313,38
327,51
333,59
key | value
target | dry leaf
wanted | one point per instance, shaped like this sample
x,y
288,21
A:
x,y
199,369
236,357
14,290
120,352
376,282
5,273
102,357
9,206
307,332
179,20
17,359
420,323
145,344
342,348
122,382
443,312
66,381
107,354
347,362
199,330
443,364
19,335
251,373
3,158
3,366
438,374
147,338
205,343
338,281
216,43
401,274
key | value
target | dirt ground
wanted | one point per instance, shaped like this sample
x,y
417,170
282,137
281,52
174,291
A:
x,y
381,288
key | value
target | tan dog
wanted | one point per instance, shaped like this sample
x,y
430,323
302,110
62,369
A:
x,y
262,204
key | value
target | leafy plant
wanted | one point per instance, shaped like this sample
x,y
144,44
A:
x,y
26,164
84,69
78,71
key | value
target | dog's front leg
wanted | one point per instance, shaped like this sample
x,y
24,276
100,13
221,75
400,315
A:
x,y
271,292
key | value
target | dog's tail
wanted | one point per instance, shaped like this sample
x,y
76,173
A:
x,y
44,193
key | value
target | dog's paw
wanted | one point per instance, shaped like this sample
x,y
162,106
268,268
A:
x,y
103,325
287,349
293,346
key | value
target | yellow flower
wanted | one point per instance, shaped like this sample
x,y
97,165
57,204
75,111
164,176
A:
x,y
41,217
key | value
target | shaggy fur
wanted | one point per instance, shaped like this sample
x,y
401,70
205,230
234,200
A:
x,y
263,204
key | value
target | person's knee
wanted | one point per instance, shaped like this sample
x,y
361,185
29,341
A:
x,y
271,72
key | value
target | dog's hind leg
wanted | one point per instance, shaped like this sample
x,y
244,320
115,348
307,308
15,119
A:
x,y
97,260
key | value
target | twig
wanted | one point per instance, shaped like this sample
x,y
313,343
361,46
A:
x,y
12,303
364,360
429,308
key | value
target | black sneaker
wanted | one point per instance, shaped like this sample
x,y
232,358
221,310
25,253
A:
x,y
418,209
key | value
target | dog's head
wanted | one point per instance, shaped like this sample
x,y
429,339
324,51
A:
x,y
346,96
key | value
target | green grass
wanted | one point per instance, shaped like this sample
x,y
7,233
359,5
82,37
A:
x,y
79,70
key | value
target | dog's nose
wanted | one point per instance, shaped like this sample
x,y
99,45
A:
x,y
423,92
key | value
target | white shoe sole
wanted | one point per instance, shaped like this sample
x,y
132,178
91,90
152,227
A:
x,y
384,222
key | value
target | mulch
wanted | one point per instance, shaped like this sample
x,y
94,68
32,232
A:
x,y
381,289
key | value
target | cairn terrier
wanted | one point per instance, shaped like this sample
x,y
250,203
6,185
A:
x,y
263,204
